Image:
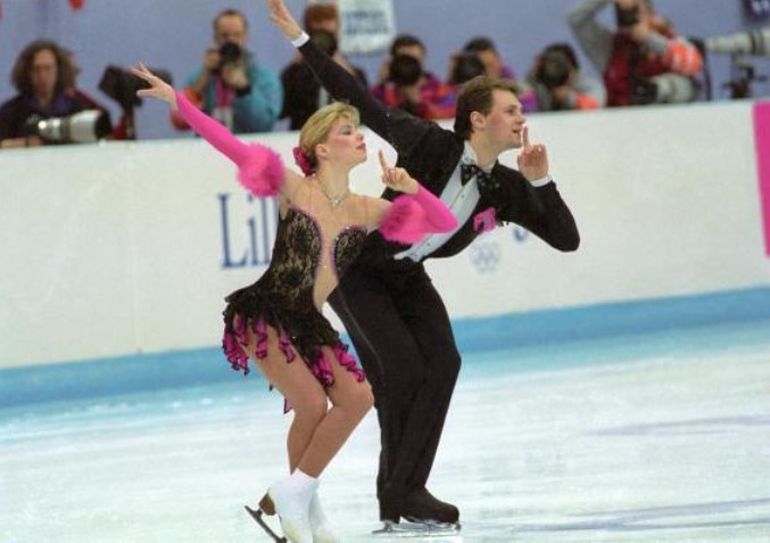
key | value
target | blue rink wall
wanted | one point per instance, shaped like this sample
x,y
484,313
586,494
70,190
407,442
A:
x,y
554,332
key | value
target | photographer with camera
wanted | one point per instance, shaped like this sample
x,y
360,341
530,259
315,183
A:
x,y
643,61
230,86
45,78
486,50
559,84
404,82
303,93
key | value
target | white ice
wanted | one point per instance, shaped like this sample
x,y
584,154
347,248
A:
x,y
654,438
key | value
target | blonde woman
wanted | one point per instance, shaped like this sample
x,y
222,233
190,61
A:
x,y
277,322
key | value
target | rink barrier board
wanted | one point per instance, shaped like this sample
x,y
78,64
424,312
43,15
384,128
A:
x,y
544,328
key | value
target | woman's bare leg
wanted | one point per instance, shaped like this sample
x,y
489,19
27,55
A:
x,y
300,388
351,400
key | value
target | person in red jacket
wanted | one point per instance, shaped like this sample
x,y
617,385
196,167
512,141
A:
x,y
644,60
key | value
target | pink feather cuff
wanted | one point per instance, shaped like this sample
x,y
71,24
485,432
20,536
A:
x,y
405,221
261,173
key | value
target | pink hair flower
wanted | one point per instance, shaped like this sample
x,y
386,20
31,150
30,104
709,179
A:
x,y
301,159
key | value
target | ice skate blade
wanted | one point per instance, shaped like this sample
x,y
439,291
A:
x,y
419,529
257,516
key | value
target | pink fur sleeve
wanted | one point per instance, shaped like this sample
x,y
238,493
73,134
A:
x,y
412,216
260,169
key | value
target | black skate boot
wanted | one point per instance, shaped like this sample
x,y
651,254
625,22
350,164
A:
x,y
421,507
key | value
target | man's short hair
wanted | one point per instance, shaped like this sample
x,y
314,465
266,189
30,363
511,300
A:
x,y
479,45
405,40
230,12
316,13
477,95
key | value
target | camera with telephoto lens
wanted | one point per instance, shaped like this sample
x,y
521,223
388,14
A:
x,y
554,70
229,53
121,85
466,66
405,71
668,88
626,17
755,43
86,126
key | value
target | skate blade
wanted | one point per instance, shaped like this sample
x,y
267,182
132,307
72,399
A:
x,y
257,516
419,529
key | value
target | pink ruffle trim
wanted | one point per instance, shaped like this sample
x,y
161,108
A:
x,y
404,221
262,172
322,370
234,344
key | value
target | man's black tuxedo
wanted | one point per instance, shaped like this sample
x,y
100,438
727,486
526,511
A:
x,y
395,317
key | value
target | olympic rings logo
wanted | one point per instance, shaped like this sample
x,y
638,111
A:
x,y
485,256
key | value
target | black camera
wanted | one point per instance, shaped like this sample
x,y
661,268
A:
x,y
554,70
626,17
229,53
466,67
121,85
405,70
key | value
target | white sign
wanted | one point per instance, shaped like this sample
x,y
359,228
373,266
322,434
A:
x,y
368,26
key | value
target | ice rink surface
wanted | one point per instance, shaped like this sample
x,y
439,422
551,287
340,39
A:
x,y
658,437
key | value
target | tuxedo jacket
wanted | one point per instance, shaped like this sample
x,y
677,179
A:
x,y
430,154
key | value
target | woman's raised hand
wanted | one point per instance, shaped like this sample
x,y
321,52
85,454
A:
x,y
397,178
158,88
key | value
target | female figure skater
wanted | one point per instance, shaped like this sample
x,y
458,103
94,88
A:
x,y
277,321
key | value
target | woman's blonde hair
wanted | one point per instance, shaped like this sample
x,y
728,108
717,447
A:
x,y
316,128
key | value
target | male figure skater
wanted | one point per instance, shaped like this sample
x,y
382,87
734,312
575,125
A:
x,y
395,317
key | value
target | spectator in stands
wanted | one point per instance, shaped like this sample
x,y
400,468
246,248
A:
x,y
484,48
487,52
230,85
559,84
643,60
43,75
426,96
464,66
303,94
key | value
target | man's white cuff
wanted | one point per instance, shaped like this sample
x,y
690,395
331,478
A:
x,y
302,40
543,181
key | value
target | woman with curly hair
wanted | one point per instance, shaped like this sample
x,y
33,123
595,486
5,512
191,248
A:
x,y
44,76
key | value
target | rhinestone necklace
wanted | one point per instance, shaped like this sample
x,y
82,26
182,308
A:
x,y
335,201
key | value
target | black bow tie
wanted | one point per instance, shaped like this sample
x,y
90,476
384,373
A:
x,y
484,180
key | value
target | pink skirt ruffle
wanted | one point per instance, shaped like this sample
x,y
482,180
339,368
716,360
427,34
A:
x,y
234,344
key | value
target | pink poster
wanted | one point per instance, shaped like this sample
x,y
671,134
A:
x,y
762,142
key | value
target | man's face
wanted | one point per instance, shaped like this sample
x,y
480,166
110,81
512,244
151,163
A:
x,y
44,73
231,28
491,61
502,126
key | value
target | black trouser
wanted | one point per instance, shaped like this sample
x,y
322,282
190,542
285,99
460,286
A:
x,y
401,332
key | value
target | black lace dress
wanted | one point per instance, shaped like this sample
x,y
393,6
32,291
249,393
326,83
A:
x,y
283,299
